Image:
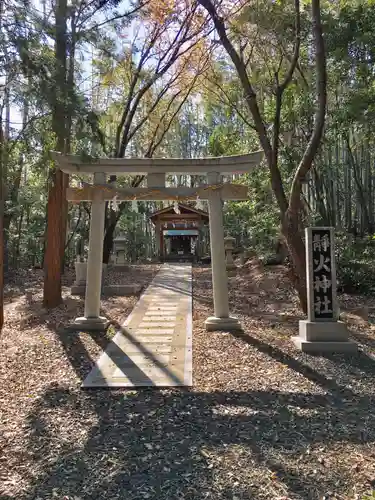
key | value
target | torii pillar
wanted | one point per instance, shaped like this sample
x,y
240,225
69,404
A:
x,y
157,181
221,321
92,319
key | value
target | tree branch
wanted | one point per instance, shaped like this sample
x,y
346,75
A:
x,y
297,45
249,93
229,102
103,23
281,87
145,88
157,100
321,88
143,58
251,101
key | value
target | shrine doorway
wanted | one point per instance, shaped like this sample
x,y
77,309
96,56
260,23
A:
x,y
179,246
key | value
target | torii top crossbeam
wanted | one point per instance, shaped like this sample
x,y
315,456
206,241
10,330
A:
x,y
71,164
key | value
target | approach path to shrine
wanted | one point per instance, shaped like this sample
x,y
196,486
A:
x,y
154,347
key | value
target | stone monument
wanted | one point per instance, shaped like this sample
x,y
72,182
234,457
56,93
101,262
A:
x,y
322,332
120,261
229,247
80,268
79,285
119,245
81,273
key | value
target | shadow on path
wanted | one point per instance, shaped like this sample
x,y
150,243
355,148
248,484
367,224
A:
x,y
161,444
167,444
298,366
122,361
76,352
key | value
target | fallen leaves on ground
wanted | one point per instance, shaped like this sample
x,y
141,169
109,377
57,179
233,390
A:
x,y
263,421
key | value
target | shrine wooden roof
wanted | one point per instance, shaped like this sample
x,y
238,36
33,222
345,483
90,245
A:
x,y
185,209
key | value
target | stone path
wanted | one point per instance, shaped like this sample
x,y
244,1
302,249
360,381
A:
x,y
154,347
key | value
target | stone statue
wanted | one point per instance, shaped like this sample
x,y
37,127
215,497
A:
x,y
80,248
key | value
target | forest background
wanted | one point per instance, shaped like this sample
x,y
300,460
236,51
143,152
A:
x,y
170,79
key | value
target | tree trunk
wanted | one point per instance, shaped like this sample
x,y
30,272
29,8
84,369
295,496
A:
x,y
290,210
292,234
64,219
52,257
369,185
291,219
1,226
111,220
1,253
108,241
362,202
18,244
55,237
2,205
69,120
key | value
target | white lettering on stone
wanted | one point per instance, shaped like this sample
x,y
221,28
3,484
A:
x,y
321,242
322,263
322,284
322,306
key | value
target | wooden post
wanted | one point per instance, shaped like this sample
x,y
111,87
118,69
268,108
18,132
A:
x,y
157,239
161,236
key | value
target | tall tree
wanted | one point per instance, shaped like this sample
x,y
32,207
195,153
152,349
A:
x,y
290,209
55,236
156,69
64,106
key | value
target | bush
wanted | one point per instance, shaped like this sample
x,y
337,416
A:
x,y
355,265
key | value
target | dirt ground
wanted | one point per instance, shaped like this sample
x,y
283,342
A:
x,y
262,421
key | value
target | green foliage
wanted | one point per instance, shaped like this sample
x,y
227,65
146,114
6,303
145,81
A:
x,y
355,265
255,227
133,226
213,121
255,222
369,496
350,35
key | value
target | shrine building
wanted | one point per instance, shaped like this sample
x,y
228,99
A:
x,y
181,232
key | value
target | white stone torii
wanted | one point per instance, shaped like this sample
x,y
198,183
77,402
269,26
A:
x,y
155,169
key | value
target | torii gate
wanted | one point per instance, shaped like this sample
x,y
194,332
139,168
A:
x,y
155,170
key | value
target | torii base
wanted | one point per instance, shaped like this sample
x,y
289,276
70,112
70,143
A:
x,y
213,324
89,324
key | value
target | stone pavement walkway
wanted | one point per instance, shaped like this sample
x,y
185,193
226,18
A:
x,y
154,347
